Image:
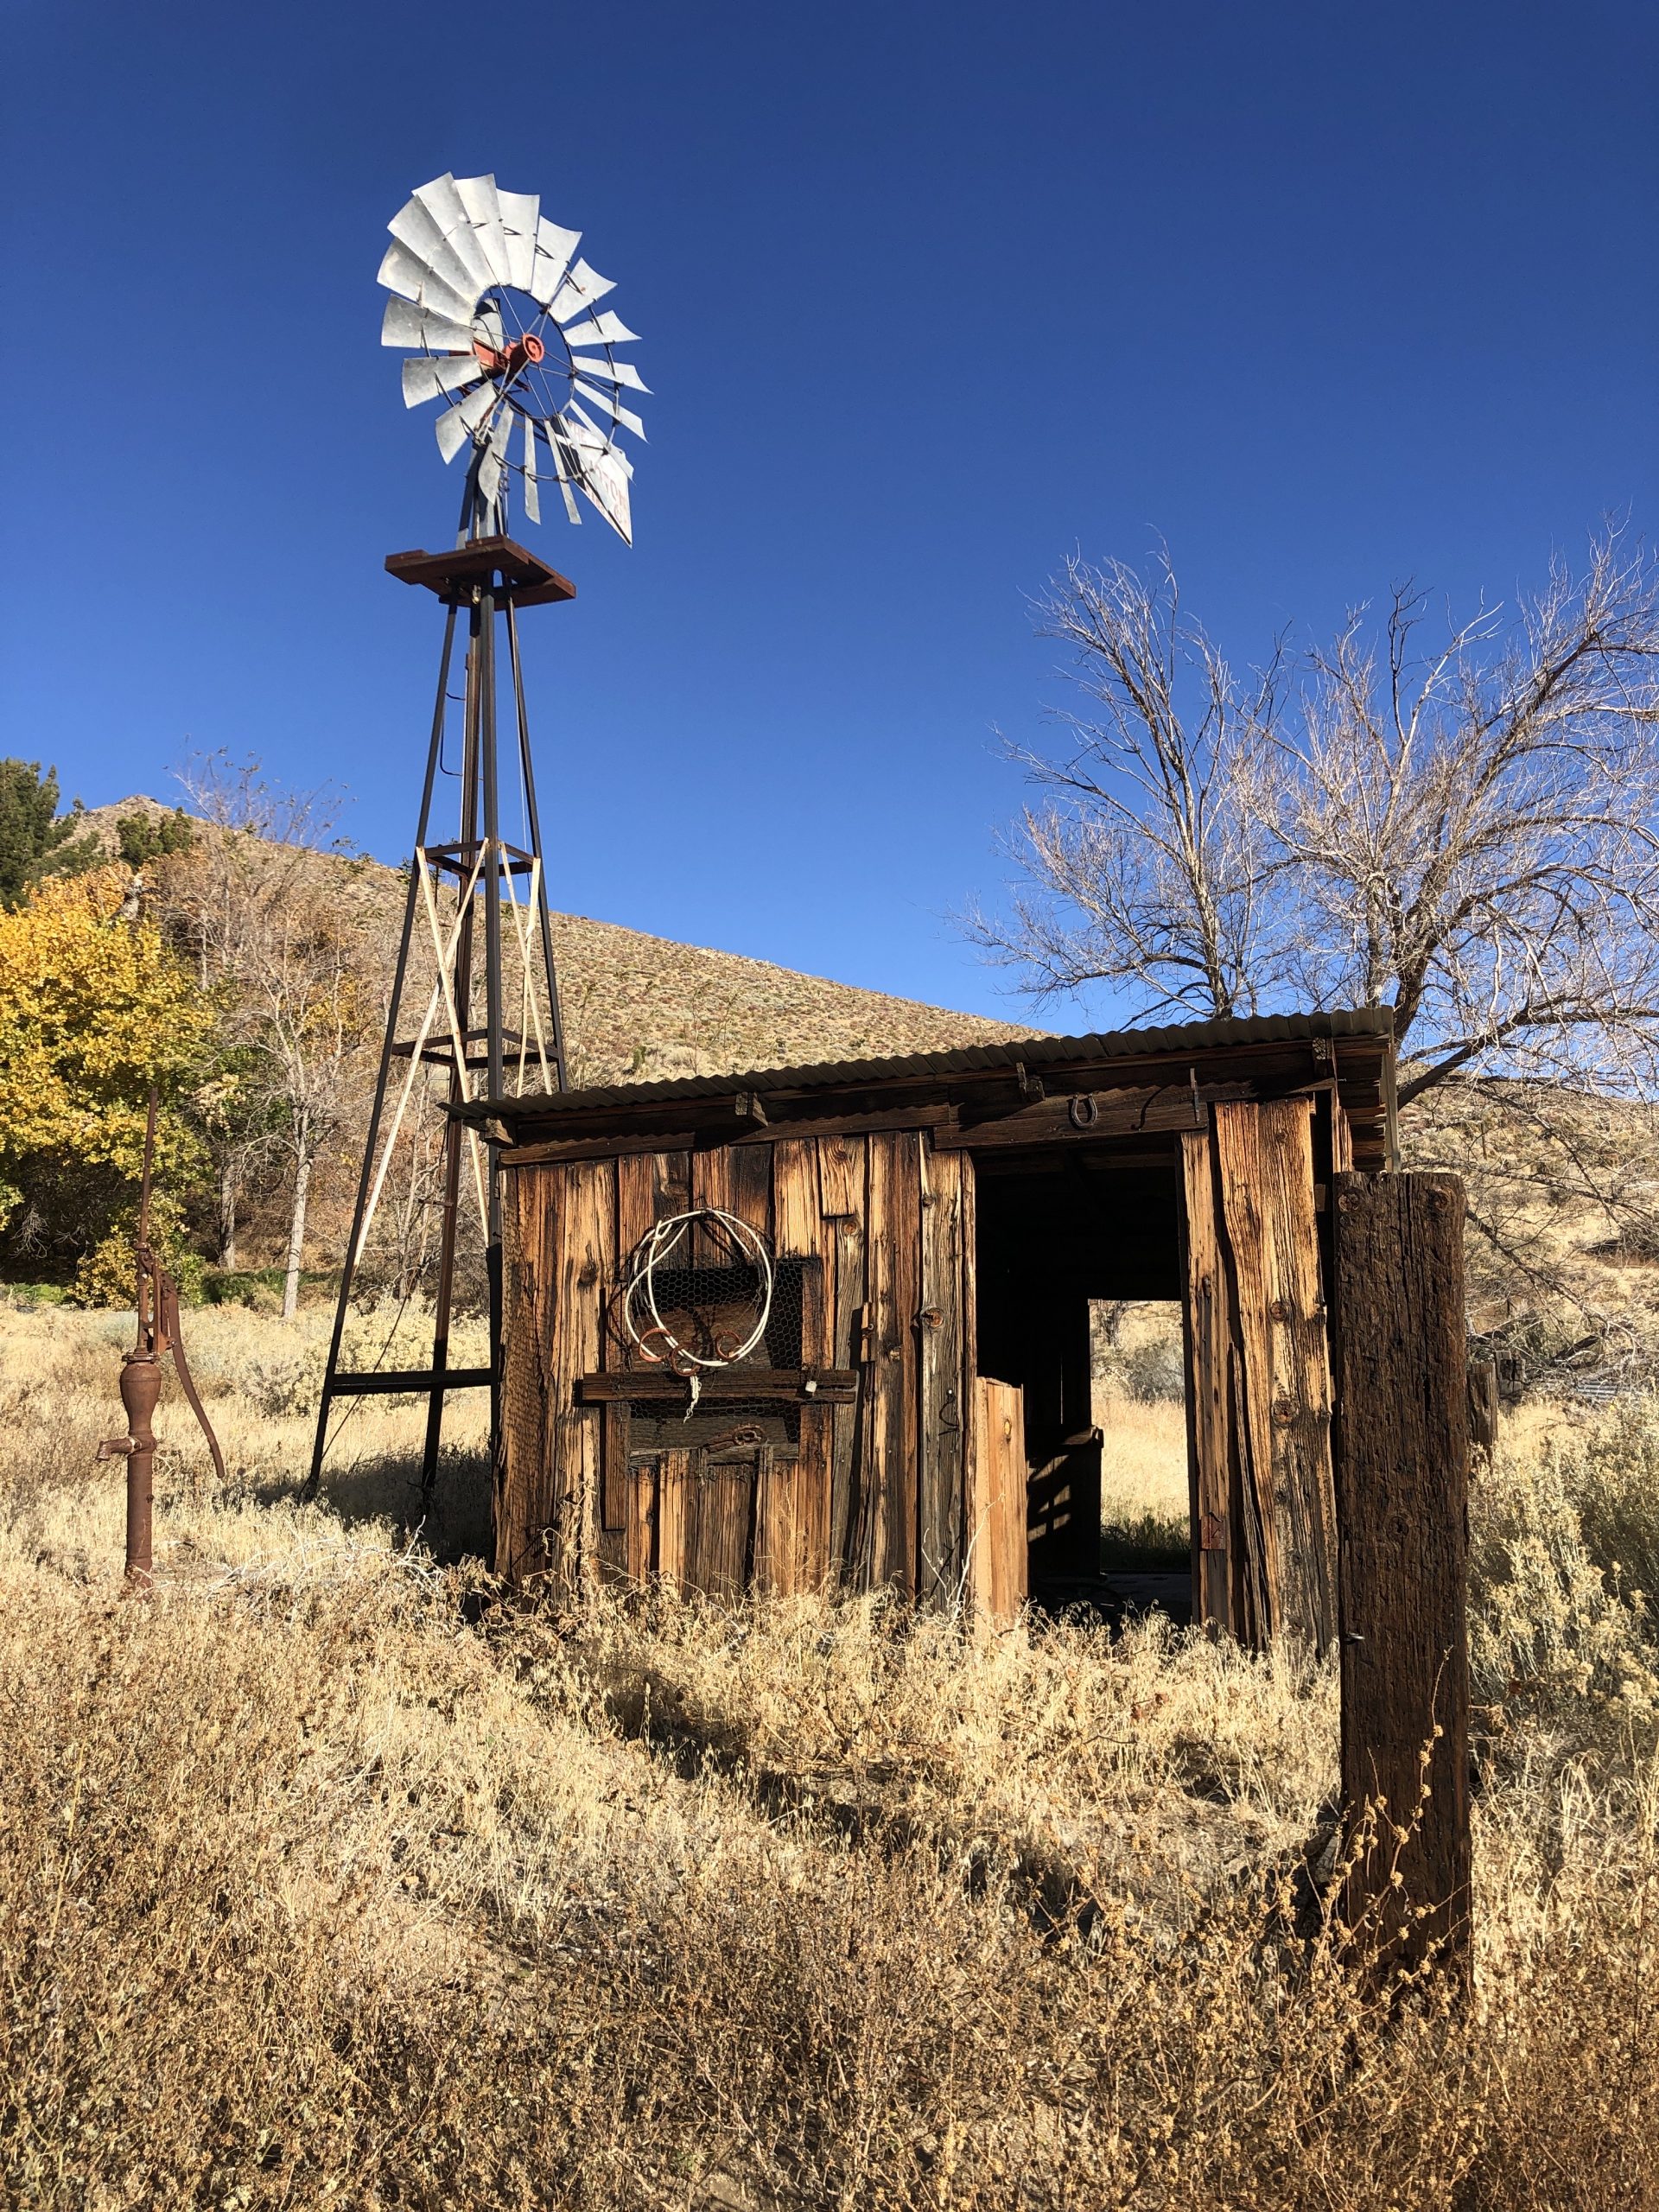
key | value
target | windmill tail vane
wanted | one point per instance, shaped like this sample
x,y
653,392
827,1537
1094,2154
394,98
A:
x,y
500,322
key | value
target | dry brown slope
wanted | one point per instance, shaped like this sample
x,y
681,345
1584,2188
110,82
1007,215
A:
x,y
650,1006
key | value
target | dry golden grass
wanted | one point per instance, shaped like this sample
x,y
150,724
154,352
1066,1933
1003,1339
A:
x,y
1142,1460
323,1887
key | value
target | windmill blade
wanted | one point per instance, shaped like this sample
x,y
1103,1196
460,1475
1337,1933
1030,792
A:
x,y
564,466
475,411
532,496
575,414
495,457
416,226
603,330
478,197
442,201
435,278
519,214
612,372
554,247
424,378
402,271
579,291
442,299
406,324
460,240
614,408
604,471
447,267
452,433
468,420
606,490
494,330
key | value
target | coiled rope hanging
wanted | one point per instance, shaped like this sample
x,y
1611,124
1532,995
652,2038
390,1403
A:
x,y
642,1318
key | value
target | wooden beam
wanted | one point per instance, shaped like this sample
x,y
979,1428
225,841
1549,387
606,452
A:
x,y
728,1129
1402,1472
1087,1117
789,1384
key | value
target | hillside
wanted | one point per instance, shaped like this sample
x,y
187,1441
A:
x,y
652,1007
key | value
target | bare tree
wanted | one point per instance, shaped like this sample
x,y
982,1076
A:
x,y
305,1017
292,974
1469,837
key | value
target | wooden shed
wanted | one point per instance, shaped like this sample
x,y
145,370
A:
x,y
918,1411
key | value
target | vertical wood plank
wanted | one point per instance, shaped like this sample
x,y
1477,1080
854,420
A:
x,y
968,1384
996,1545
1264,1154
814,1478
520,1477
798,1219
614,1429
777,1524
1402,1459
672,1183
642,1524
1482,1397
940,1351
636,1177
1209,1445
637,1182
887,1537
842,1176
737,1179
720,1547
539,1531
843,1166
803,1233
584,1259
673,1517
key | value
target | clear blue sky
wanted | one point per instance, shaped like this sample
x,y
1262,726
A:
x,y
931,292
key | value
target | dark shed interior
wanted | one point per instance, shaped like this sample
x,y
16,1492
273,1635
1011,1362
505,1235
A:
x,y
1055,1232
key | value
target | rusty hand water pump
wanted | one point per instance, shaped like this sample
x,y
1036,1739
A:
x,y
141,1381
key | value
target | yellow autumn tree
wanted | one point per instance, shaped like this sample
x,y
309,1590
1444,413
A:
x,y
93,1009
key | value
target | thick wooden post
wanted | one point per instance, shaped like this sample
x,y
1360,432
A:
x,y
1402,1456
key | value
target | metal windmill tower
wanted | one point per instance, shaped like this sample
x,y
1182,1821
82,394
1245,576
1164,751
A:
x,y
501,323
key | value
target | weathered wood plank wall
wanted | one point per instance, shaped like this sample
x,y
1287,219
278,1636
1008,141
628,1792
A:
x,y
876,1234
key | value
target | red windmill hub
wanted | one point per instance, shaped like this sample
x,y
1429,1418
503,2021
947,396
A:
x,y
527,352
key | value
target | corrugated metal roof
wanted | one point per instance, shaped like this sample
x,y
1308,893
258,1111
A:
x,y
961,1059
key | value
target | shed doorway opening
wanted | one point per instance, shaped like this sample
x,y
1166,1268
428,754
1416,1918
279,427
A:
x,y
1079,1306
1138,1371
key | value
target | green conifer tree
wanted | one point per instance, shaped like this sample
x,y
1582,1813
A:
x,y
33,841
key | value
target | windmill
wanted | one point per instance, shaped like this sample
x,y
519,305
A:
x,y
501,325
